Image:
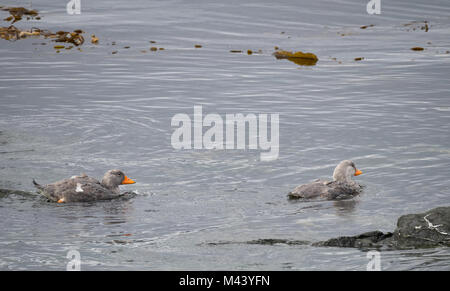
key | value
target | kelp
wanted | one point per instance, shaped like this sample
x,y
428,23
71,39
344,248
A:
x,y
300,58
18,12
14,33
415,25
94,39
366,26
69,37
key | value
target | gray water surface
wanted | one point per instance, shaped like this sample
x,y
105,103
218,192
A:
x,y
66,113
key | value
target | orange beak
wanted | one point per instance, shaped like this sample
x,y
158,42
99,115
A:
x,y
127,180
358,172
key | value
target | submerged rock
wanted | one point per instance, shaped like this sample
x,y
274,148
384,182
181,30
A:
x,y
422,230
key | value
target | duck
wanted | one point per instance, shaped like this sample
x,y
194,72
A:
x,y
342,186
83,188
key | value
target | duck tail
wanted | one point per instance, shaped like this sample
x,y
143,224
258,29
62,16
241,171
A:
x,y
39,187
41,190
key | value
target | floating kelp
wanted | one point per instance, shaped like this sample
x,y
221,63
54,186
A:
x,y
300,58
94,39
416,25
366,26
198,46
18,12
69,37
13,33
236,51
417,48
9,33
359,59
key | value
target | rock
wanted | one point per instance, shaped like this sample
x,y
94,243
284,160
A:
x,y
429,229
423,230
368,239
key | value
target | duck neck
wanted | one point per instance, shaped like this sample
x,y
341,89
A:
x,y
113,188
344,177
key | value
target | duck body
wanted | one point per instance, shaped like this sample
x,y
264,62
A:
x,y
84,188
342,186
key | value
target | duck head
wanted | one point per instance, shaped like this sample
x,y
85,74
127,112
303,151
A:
x,y
345,171
113,178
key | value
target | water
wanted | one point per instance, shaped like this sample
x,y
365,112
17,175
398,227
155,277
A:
x,y
71,112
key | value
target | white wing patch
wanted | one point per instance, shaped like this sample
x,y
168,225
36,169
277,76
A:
x,y
79,189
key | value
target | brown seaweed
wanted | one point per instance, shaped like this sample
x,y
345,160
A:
x,y
18,12
300,58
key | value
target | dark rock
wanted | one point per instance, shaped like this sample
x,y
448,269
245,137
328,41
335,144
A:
x,y
429,229
368,239
423,230
271,241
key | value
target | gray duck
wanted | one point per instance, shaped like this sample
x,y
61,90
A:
x,y
84,188
342,186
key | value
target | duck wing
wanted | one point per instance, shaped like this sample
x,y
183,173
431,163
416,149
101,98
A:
x,y
331,190
341,190
77,188
318,188
85,192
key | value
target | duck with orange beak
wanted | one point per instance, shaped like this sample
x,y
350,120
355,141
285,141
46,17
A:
x,y
342,186
84,188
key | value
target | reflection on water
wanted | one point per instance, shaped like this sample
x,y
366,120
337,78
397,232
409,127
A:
x,y
66,113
